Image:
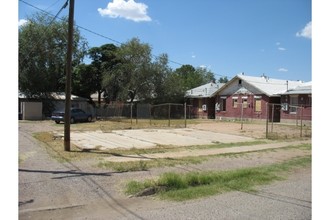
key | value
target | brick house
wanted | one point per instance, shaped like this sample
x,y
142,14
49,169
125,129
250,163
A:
x,y
249,97
202,100
297,104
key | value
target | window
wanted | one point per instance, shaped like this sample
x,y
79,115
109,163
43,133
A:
x,y
235,102
257,105
293,104
244,102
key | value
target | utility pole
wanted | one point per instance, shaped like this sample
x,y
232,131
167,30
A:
x,y
67,117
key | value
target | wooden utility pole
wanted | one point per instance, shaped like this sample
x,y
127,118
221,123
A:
x,y
67,117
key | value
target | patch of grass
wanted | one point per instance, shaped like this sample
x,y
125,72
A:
x,y
124,166
55,148
148,164
179,187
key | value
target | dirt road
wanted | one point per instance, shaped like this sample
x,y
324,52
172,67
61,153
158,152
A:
x,y
49,189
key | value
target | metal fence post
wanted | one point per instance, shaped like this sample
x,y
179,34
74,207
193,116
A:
x,y
266,120
169,115
185,114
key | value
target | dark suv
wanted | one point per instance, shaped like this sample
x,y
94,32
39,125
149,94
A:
x,y
77,115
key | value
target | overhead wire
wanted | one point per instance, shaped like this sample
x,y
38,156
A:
x,y
100,35
48,25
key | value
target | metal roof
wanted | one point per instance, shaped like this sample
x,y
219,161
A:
x,y
270,86
299,90
204,91
57,96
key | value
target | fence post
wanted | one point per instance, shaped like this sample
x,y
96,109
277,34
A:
x,y
272,117
169,115
131,113
266,120
301,116
136,113
185,114
150,113
242,115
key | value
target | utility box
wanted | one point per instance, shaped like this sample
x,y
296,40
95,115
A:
x,y
31,110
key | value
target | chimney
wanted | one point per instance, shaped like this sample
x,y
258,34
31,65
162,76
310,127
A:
x,y
287,85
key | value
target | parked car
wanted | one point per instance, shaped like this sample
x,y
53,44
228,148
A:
x,y
77,115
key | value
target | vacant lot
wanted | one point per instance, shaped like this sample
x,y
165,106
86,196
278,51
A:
x,y
81,185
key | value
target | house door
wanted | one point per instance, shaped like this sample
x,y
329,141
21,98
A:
x,y
274,113
211,110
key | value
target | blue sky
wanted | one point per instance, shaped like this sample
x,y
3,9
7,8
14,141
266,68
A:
x,y
226,36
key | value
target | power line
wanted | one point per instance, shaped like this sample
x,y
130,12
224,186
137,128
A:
x,y
90,31
48,25
103,36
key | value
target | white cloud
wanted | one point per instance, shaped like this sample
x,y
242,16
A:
x,y
129,10
281,48
306,31
278,43
22,22
282,70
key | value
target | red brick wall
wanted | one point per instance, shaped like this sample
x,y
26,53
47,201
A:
x,y
248,112
304,112
196,110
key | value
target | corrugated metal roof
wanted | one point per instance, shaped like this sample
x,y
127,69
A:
x,y
299,90
57,96
204,91
270,86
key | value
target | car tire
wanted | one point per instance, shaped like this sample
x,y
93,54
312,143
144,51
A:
x,y
89,119
72,121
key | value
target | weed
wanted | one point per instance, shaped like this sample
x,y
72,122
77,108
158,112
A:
x,y
175,186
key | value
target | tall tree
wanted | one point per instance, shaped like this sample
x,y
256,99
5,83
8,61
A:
x,y
85,81
103,61
42,54
133,72
193,77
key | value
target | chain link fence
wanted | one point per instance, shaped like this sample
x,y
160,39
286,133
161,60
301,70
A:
x,y
161,115
286,122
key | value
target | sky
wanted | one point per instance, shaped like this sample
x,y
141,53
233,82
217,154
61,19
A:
x,y
228,37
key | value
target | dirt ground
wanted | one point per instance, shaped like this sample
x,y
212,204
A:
x,y
256,130
48,189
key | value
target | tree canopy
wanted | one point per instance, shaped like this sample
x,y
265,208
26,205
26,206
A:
x,y
132,73
42,55
125,73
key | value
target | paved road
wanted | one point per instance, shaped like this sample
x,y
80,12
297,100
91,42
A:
x,y
52,190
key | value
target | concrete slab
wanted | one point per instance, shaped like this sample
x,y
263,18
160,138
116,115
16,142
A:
x,y
91,140
148,138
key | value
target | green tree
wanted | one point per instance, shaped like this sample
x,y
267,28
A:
x,y
42,55
103,61
133,72
193,77
223,79
163,90
85,81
